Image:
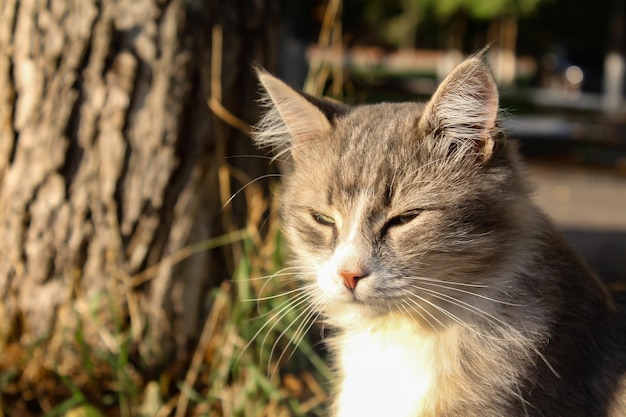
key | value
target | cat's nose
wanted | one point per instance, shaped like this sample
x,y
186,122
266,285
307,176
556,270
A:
x,y
351,277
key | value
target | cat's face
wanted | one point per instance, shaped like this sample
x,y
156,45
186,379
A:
x,y
391,208
383,223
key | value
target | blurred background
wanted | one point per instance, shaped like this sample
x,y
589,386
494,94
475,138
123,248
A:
x,y
142,272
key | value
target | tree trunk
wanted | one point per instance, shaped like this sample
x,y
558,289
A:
x,y
110,161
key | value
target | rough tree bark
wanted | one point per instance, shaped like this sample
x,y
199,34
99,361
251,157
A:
x,y
109,162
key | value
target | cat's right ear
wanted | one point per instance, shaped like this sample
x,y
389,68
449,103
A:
x,y
291,118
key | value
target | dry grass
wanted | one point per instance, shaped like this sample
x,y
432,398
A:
x,y
239,360
250,368
232,372
241,366
253,369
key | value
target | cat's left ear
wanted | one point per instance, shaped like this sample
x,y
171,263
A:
x,y
464,109
292,117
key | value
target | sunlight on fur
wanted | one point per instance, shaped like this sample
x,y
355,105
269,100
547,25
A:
x,y
443,290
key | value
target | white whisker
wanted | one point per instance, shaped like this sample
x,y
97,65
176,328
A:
x,y
294,304
466,306
249,183
276,316
248,156
304,326
440,285
462,284
403,305
439,308
283,294
283,272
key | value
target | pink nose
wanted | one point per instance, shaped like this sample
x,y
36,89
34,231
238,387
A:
x,y
352,277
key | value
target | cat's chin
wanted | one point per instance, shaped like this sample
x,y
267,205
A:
x,y
359,307
353,299
346,314
359,315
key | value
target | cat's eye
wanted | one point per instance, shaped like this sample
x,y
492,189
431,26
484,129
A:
x,y
323,219
402,219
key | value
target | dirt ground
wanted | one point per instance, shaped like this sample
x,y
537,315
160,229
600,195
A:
x,y
589,205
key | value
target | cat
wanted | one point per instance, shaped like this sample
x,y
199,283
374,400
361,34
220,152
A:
x,y
450,293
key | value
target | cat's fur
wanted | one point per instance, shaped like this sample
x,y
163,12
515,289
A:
x,y
450,293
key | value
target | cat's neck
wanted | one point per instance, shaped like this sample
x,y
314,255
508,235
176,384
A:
x,y
396,367
393,350
421,372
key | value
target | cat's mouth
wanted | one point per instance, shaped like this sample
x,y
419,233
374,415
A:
x,y
366,299
350,297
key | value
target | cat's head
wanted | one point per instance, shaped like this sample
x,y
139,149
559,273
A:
x,y
403,207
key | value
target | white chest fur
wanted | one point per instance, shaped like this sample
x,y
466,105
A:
x,y
387,370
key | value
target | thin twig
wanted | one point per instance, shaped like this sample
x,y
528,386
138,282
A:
x,y
227,117
198,355
328,36
215,101
186,252
216,62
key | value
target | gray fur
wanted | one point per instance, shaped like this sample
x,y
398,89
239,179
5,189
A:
x,y
430,204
